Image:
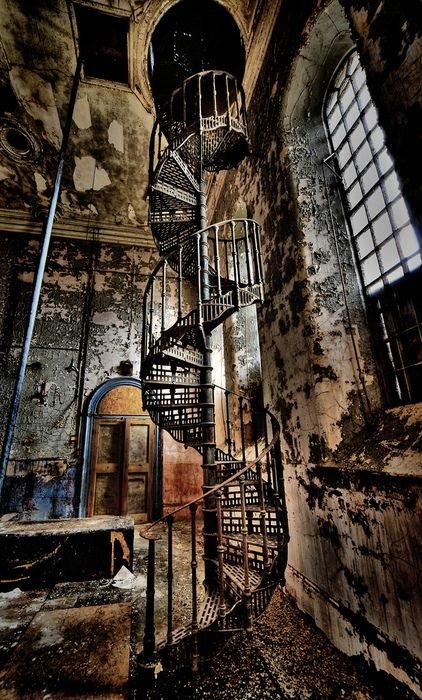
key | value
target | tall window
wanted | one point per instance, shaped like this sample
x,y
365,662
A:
x,y
385,243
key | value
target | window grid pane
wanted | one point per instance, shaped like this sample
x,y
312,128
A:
x,y
385,241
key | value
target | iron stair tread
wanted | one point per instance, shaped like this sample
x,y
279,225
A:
x,y
250,508
207,615
236,573
253,539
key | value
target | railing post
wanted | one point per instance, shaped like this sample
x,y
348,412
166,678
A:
x,y
149,635
248,254
228,423
245,551
217,261
235,261
170,521
220,553
194,566
242,428
180,280
151,313
164,297
263,517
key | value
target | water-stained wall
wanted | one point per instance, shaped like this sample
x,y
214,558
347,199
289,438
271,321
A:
x,y
349,462
88,329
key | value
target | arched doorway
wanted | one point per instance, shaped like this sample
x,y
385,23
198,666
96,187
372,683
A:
x,y
120,473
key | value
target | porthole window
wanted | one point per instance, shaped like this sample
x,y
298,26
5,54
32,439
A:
x,y
386,245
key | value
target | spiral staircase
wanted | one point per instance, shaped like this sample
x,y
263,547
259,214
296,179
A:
x,y
207,273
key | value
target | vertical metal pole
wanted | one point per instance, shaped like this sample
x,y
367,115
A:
x,y
170,520
244,530
149,636
48,228
194,566
220,552
207,401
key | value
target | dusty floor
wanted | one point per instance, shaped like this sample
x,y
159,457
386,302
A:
x,y
81,640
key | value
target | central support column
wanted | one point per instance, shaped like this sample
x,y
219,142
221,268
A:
x,y
207,412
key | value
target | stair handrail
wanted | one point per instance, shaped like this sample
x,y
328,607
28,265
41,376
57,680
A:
x,y
249,465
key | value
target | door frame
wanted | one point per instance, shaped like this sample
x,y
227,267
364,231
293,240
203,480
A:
x,y
90,414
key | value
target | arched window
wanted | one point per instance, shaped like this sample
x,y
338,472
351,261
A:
x,y
385,243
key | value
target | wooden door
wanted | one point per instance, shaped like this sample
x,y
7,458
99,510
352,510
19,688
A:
x,y
122,467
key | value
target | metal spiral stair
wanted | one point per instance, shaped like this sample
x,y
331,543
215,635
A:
x,y
206,274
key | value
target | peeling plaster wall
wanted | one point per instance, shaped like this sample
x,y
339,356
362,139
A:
x,y
319,374
89,321
105,174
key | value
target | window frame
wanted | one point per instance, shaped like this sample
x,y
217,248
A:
x,y
394,371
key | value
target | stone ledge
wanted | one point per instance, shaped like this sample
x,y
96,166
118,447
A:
x,y
34,554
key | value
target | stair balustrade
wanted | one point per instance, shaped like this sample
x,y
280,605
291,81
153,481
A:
x,y
206,274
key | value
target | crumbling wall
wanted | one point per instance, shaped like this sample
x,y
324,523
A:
x,y
88,323
319,374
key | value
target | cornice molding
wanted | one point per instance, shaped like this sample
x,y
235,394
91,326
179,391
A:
x,y
15,221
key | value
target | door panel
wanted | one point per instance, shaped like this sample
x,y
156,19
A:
x,y
122,467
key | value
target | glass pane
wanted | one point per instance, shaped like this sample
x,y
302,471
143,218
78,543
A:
x,y
395,275
137,493
399,212
415,262
346,95
354,195
384,161
357,136
375,202
375,288
359,77
339,135
376,139
344,155
363,157
351,116
365,244
335,117
359,220
349,175
382,228
369,178
138,444
391,186
105,494
370,269
389,255
108,443
364,97
408,241
370,118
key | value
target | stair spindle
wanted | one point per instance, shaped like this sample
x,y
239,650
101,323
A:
x,y
151,313
164,296
228,423
228,103
180,284
242,427
217,259
248,254
149,631
235,261
194,565
263,517
199,277
214,94
245,552
220,553
170,521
